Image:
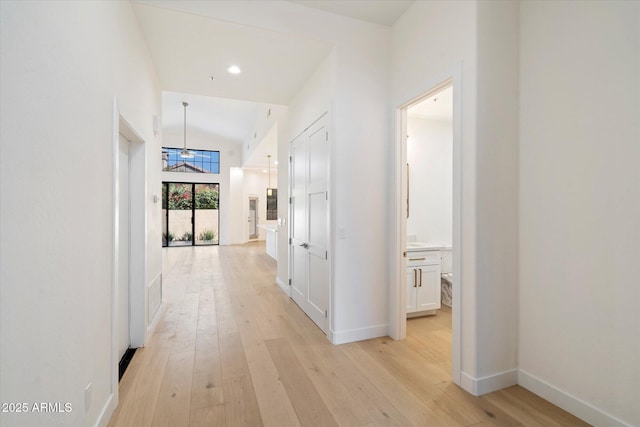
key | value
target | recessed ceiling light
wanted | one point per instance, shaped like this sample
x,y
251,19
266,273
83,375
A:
x,y
212,78
275,163
234,69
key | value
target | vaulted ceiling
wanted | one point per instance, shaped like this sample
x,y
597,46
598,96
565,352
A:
x,y
191,53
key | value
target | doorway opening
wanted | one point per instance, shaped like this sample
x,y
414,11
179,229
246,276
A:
x,y
190,214
129,304
428,221
253,217
123,313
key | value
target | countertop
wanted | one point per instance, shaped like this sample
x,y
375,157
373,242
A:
x,y
419,246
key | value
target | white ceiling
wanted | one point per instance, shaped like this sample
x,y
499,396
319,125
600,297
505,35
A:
x,y
187,48
436,107
384,12
226,118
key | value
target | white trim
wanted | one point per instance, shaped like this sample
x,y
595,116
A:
x,y
284,287
137,253
157,281
568,402
115,137
156,319
490,383
107,410
153,322
360,334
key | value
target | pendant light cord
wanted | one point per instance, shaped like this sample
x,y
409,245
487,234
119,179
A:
x,y
185,126
269,157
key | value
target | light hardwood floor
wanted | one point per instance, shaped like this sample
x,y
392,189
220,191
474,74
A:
x,y
232,350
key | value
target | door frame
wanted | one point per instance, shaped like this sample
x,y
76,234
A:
x,y
257,210
137,239
397,297
121,244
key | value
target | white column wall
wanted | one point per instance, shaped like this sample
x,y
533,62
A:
x,y
579,333
62,63
497,195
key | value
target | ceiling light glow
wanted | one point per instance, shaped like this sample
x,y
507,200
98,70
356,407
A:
x,y
234,69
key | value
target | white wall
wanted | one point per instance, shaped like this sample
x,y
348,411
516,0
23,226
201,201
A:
x,y
579,334
61,65
497,194
311,101
360,123
268,119
430,156
230,157
352,86
236,229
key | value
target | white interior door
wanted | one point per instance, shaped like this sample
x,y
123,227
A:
x,y
123,337
309,222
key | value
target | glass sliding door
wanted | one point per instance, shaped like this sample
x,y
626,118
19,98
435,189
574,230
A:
x,y
179,215
190,214
206,214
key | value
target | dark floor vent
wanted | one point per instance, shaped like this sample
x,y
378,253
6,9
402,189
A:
x,y
124,362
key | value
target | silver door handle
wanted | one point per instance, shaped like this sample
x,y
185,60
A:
x,y
305,245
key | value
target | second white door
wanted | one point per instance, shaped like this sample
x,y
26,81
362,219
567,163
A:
x,y
309,232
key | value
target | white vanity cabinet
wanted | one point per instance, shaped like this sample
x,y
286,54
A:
x,y
423,282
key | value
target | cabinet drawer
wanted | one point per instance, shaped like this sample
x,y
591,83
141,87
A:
x,y
423,258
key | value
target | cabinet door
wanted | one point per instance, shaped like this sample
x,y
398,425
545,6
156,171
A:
x,y
412,283
428,287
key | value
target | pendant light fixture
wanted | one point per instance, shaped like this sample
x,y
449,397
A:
x,y
269,189
185,154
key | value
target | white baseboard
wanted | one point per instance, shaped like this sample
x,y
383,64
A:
x,y
284,286
490,383
360,334
107,411
156,319
581,409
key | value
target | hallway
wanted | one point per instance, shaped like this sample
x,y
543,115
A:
x,y
233,350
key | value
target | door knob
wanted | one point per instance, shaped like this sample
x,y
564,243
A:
x,y
305,245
